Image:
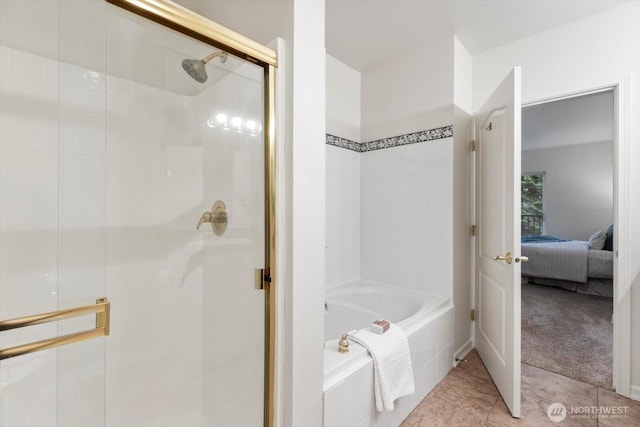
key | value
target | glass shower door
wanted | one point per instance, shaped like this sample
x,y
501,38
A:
x,y
52,204
188,323
123,176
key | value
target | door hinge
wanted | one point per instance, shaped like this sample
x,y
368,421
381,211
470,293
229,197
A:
x,y
474,146
473,230
473,314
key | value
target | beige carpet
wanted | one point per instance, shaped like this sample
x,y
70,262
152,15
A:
x,y
568,333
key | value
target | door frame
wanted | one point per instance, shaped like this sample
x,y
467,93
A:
x,y
621,277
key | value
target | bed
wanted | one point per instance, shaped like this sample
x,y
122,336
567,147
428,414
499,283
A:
x,y
580,266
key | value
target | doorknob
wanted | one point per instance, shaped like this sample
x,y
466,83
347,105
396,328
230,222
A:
x,y
508,258
522,259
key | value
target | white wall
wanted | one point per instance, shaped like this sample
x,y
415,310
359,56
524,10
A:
x,y
587,53
578,183
259,20
343,100
462,197
343,175
462,76
593,52
308,214
409,94
576,120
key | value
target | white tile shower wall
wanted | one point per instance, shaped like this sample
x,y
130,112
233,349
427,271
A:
x,y
81,239
406,216
28,220
153,194
343,216
79,151
52,197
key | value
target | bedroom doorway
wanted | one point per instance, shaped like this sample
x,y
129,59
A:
x,y
567,226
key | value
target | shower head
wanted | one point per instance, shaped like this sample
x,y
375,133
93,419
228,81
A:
x,y
196,67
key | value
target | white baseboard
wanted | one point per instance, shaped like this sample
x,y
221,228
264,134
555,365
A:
x,y
462,352
635,392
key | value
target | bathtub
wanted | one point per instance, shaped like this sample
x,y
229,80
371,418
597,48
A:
x,y
348,378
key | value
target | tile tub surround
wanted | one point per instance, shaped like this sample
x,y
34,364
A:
x,y
406,225
342,210
400,231
351,402
394,141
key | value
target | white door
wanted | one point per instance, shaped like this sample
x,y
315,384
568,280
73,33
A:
x,y
498,238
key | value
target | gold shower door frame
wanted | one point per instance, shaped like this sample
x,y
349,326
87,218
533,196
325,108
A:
x,y
187,22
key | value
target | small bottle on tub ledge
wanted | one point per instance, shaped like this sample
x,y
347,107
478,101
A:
x,y
380,326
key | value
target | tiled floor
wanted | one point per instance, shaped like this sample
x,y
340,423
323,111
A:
x,y
468,397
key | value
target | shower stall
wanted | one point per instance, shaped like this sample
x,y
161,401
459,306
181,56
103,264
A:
x,y
136,217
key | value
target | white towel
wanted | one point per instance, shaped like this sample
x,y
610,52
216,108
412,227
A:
x,y
392,369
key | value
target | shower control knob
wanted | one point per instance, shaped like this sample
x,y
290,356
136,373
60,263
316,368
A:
x,y
217,217
206,217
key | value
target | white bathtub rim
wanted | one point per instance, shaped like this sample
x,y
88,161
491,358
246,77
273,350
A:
x,y
339,367
357,358
434,302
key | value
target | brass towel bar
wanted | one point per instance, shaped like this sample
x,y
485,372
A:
x,y
101,308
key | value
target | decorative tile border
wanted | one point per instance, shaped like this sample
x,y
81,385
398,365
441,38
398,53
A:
x,y
336,141
394,141
410,138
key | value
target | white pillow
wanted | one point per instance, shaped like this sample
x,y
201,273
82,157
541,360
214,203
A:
x,y
597,240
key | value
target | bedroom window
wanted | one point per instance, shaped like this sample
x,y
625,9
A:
x,y
532,185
